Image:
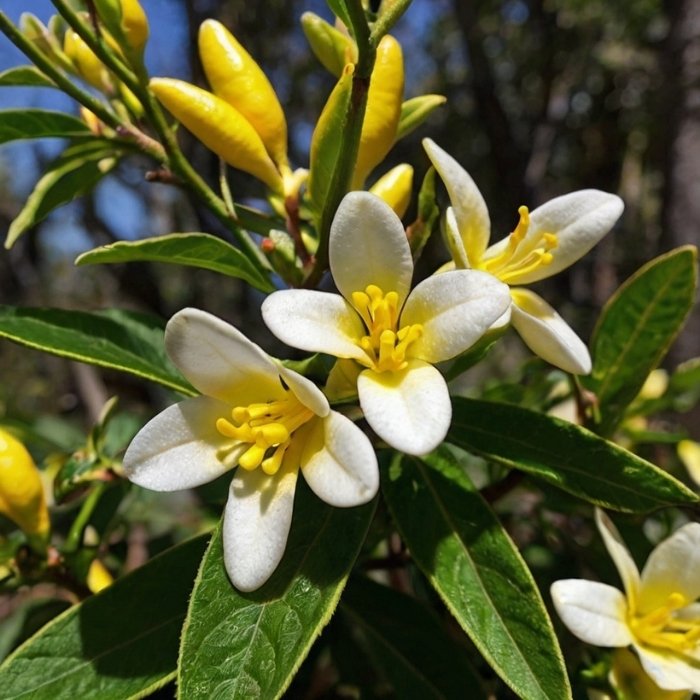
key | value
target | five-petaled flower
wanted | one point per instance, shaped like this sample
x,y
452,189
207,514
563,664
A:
x,y
392,337
261,416
544,242
658,616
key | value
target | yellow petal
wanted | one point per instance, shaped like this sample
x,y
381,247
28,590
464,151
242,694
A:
x,y
383,109
237,79
86,63
394,188
21,492
218,126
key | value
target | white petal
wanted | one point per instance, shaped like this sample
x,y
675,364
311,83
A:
x,y
454,241
547,334
669,671
470,208
455,309
594,612
368,245
673,567
339,463
306,391
256,525
629,574
219,360
579,220
410,410
314,321
178,448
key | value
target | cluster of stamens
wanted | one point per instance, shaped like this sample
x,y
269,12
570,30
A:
x,y
267,428
664,628
384,346
512,262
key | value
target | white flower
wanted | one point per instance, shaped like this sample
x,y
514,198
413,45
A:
x,y
258,415
658,614
545,241
393,337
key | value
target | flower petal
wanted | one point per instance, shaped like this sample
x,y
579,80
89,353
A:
x,y
471,212
368,245
219,360
305,390
339,463
455,309
178,448
629,574
579,220
594,612
673,567
410,410
314,321
454,241
547,334
668,670
257,519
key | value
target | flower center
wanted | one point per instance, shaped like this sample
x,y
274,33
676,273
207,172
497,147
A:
x,y
267,429
516,259
385,346
665,628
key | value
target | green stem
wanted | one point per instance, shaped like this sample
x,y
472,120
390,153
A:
x,y
46,67
347,155
387,20
75,534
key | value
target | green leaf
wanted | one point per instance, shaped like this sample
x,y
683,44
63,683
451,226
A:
x,y
39,123
121,340
25,76
407,642
249,645
415,111
462,548
195,249
77,170
636,328
119,644
565,455
339,10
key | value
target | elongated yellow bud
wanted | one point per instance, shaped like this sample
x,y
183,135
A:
x,y
383,109
237,79
394,188
127,23
219,126
21,492
330,46
86,63
98,577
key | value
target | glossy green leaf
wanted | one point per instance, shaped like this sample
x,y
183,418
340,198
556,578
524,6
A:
x,y
39,123
415,111
194,249
122,340
565,455
249,645
119,644
78,169
339,10
406,640
636,328
25,76
459,544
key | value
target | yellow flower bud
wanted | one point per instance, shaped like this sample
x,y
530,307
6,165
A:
x,y
237,79
98,576
21,492
655,385
86,63
134,24
689,454
394,188
220,127
383,109
330,46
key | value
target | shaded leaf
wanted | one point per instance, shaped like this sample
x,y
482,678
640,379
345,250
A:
x,y
38,123
249,645
122,340
415,111
119,644
470,560
636,328
194,249
565,455
25,76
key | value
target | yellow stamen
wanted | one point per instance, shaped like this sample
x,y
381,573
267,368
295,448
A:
x,y
663,628
266,428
